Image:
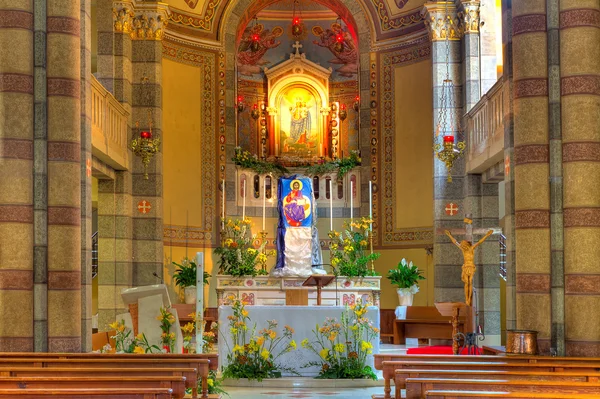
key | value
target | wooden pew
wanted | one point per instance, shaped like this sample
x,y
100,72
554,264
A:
x,y
440,394
385,363
425,322
390,368
116,393
417,387
176,384
135,361
575,376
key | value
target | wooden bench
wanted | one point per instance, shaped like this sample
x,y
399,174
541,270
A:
x,y
417,387
119,362
442,394
176,384
390,367
117,393
425,322
403,374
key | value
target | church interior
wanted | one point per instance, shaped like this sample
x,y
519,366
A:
x,y
299,198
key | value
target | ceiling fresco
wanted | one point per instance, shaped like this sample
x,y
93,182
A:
x,y
200,19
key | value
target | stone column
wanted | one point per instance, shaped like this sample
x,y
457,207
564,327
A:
x,y
114,21
64,175
531,170
508,224
580,113
16,175
447,259
469,18
86,176
40,182
147,111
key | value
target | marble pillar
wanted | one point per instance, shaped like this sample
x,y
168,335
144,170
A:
x,y
446,62
16,175
86,175
580,113
531,170
469,18
508,223
64,175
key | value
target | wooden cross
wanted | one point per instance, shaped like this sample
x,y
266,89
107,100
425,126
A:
x,y
297,46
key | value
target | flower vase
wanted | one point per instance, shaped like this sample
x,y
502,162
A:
x,y
189,294
405,298
166,348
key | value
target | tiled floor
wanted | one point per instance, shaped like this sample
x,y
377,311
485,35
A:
x,y
314,393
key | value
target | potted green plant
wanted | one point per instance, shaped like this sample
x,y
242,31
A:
x,y
185,278
405,277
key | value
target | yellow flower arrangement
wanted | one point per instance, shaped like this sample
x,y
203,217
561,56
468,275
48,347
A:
x,y
343,346
166,319
255,356
354,257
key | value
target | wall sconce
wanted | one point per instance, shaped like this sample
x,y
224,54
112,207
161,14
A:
x,y
343,112
255,113
356,104
240,104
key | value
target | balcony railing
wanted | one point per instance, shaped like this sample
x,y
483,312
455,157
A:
x,y
485,129
109,128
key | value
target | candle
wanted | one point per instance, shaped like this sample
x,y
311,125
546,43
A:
x,y
330,206
244,200
371,203
351,204
264,193
223,208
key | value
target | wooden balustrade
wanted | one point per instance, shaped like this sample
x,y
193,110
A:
x,y
109,128
485,129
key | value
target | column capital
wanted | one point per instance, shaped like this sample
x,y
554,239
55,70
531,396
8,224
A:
x,y
141,20
442,20
468,15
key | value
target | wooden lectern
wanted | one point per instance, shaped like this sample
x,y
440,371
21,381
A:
x,y
457,310
319,281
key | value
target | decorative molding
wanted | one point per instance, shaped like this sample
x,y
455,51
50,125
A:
x,y
533,283
588,151
582,284
469,16
581,84
531,153
529,23
202,22
442,21
581,217
532,87
532,219
580,18
141,20
383,140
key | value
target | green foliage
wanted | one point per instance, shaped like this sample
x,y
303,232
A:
x,y
350,252
185,275
343,346
342,166
255,356
248,161
406,275
238,257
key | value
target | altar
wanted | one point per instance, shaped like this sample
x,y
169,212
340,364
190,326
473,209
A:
x,y
303,319
270,291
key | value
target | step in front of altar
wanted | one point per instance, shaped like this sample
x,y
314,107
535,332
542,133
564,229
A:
x,y
303,382
270,291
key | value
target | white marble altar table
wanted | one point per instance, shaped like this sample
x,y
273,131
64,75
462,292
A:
x,y
303,319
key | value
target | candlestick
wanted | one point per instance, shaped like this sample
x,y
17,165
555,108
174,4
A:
x,y
371,203
351,204
264,193
330,206
244,200
223,208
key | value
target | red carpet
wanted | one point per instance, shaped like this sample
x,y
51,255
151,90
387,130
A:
x,y
435,350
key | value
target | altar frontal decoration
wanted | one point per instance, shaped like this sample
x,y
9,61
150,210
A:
x,y
297,236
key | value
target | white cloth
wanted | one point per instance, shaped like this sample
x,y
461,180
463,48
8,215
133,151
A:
x,y
303,319
298,252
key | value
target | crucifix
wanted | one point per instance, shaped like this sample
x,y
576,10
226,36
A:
x,y
297,46
468,250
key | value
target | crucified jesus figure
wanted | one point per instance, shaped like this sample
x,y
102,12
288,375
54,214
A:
x,y
468,267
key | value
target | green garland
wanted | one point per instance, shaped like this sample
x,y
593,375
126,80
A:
x,y
342,166
249,161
